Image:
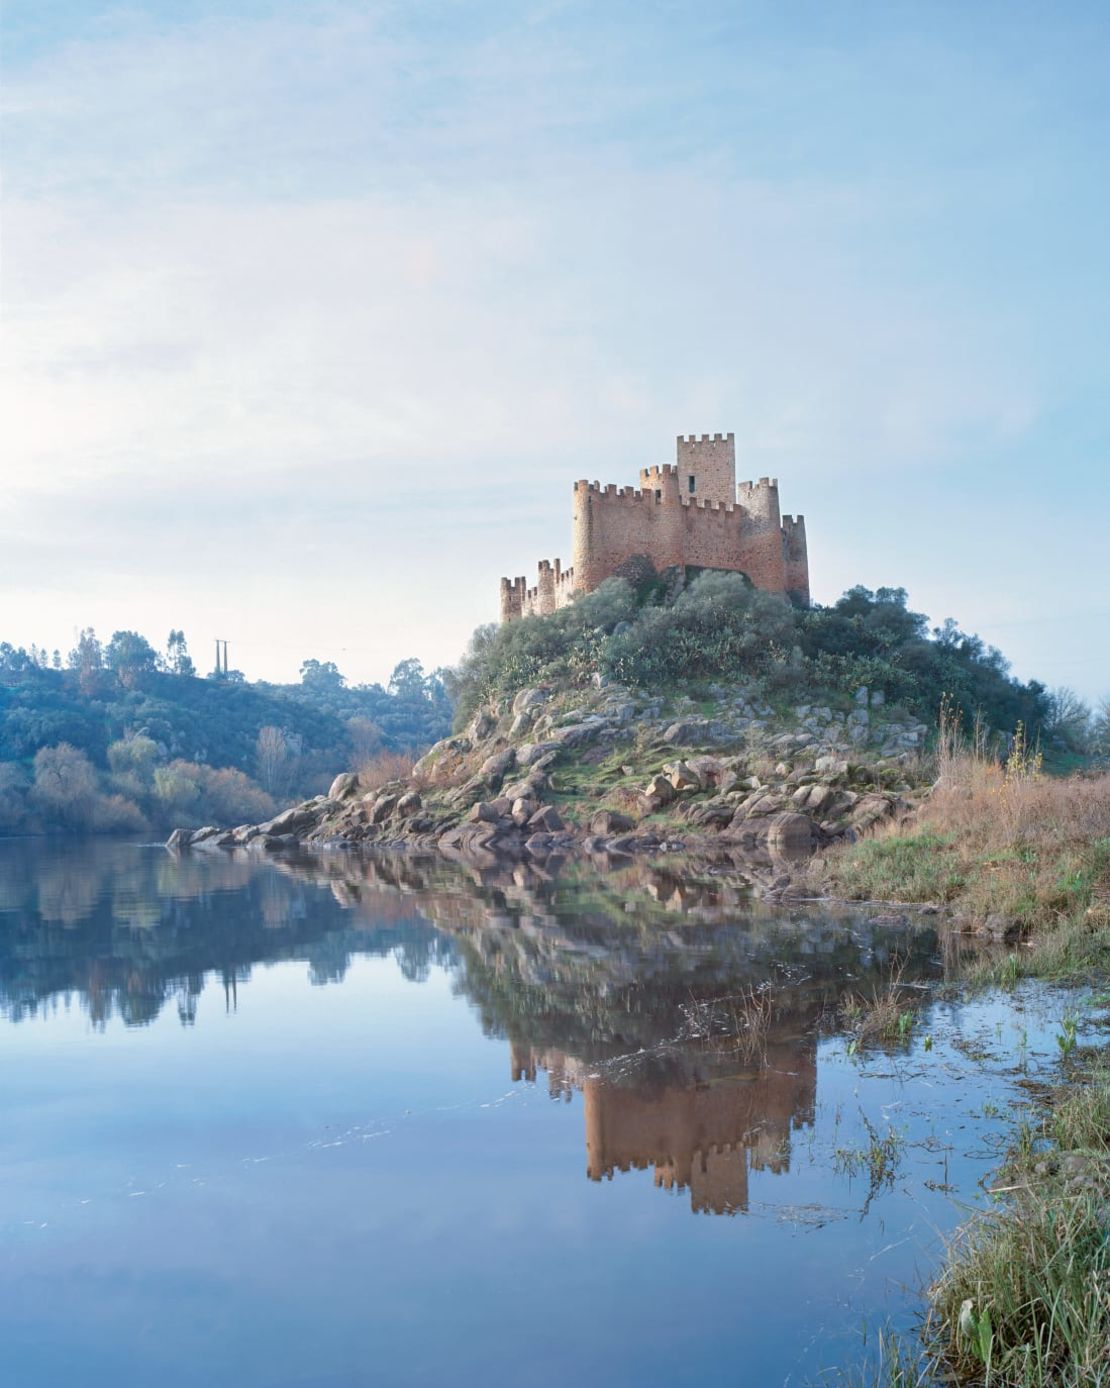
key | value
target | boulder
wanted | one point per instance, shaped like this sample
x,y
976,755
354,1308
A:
x,y
530,698
481,725
531,788
532,752
180,838
221,838
409,804
658,792
575,734
209,831
608,822
707,769
684,778
291,821
714,814
482,812
816,798
494,767
680,732
791,831
382,808
344,785
546,820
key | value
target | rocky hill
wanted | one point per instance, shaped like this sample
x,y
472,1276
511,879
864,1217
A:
x,y
623,771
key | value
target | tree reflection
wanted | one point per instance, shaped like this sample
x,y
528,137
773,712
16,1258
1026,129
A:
x,y
609,981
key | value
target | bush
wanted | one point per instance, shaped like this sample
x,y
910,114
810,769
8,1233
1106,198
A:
x,y
720,628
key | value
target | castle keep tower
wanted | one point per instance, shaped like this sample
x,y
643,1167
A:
x,y
686,514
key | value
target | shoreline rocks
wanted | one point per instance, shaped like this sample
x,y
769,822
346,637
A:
x,y
611,770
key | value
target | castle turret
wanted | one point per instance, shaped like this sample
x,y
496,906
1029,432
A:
x,y
512,598
761,531
796,558
545,603
707,467
667,530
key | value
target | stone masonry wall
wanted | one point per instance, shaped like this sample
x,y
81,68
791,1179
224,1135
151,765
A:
x,y
717,526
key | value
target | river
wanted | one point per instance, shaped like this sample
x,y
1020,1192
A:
x,y
340,1122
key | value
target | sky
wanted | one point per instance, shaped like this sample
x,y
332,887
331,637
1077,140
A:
x,y
313,312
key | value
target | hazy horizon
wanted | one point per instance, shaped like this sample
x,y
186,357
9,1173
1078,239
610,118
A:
x,y
312,313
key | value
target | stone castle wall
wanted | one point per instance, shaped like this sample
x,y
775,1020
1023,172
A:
x,y
687,513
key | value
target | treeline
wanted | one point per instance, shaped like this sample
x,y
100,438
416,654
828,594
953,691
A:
x,y
119,736
719,628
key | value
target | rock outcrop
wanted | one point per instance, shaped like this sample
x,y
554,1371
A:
x,y
618,771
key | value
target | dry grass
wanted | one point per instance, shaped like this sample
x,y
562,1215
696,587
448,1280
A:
x,y
1003,841
384,766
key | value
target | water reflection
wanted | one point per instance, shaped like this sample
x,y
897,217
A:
x,y
686,1014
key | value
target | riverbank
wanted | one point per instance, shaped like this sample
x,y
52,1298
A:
x,y
1015,857
1021,861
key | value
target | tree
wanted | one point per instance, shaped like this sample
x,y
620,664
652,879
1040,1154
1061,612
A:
x,y
87,660
131,656
272,758
366,739
1100,729
317,674
65,783
131,761
135,753
1069,720
178,660
407,680
14,784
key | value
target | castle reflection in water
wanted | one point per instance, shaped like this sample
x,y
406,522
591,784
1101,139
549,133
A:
x,y
704,1136
686,1014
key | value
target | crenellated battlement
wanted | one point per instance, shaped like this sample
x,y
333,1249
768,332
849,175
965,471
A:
x,y
554,589
654,475
691,439
690,512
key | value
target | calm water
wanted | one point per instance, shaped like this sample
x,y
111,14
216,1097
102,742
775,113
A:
x,y
336,1123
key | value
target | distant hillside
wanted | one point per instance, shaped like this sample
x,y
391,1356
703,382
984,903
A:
x,y
119,736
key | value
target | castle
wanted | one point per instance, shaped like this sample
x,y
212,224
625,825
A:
x,y
690,513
